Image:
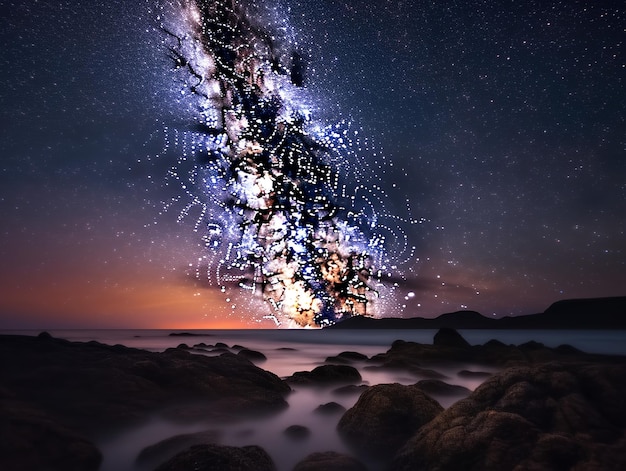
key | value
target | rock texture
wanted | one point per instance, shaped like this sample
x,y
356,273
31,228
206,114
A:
x,y
54,392
450,338
385,417
32,440
346,357
220,458
326,375
554,416
329,461
330,408
153,455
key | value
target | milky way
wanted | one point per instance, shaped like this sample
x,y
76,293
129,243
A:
x,y
281,200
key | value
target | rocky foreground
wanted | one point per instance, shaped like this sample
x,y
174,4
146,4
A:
x,y
546,409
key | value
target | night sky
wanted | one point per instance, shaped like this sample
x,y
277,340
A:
x,y
502,123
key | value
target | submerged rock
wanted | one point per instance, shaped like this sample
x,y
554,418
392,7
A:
x,y
325,375
329,408
346,357
297,432
220,458
385,417
329,461
552,416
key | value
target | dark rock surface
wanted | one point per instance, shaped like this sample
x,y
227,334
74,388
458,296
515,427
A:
x,y
474,374
447,337
329,461
326,375
252,355
416,358
552,416
160,452
59,391
32,440
220,458
330,408
437,387
297,432
385,417
346,357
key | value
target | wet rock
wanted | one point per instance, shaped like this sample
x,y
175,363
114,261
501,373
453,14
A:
x,y
252,355
297,432
153,455
447,337
220,458
330,408
552,416
385,417
346,357
184,346
329,461
440,388
221,345
90,386
326,375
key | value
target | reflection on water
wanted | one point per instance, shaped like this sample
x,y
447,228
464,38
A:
x,y
291,351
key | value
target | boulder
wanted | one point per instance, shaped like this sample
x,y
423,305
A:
x,y
55,392
346,357
153,455
220,458
330,408
447,337
385,417
252,355
329,461
326,375
297,432
551,416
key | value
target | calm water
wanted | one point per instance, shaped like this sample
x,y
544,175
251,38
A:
x,y
309,348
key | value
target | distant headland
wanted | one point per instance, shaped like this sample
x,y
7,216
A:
x,y
590,313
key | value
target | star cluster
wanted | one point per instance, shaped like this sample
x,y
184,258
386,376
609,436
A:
x,y
284,209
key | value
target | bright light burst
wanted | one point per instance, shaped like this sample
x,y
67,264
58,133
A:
x,y
283,202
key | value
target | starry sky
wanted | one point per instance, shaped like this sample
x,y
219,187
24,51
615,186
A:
x,y
502,123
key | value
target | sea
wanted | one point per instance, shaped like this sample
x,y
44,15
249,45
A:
x,y
288,351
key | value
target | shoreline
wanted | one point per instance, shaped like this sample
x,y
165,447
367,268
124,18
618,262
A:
x,y
206,377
